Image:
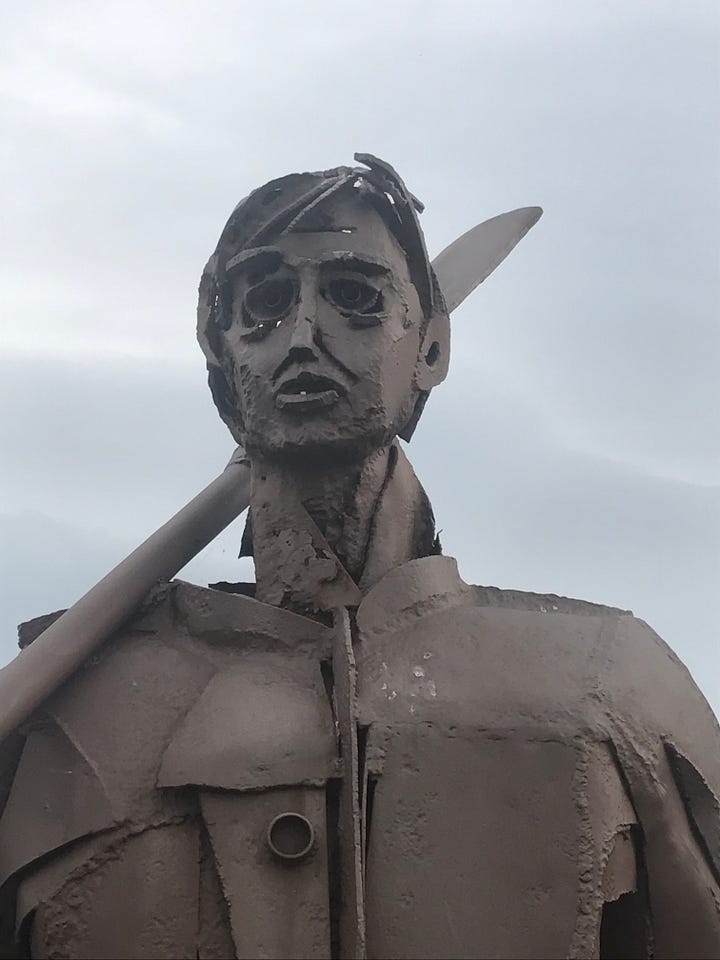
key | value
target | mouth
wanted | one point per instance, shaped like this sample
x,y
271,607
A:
x,y
308,391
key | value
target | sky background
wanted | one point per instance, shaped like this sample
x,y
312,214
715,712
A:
x,y
574,448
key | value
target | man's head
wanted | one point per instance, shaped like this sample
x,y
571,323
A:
x,y
320,316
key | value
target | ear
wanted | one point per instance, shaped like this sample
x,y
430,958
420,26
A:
x,y
434,355
210,339
207,331
224,400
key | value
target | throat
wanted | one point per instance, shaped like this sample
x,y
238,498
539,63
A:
x,y
343,503
321,537
311,527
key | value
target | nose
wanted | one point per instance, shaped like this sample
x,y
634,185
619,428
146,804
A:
x,y
303,337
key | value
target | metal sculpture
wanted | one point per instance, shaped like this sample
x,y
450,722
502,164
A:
x,y
359,754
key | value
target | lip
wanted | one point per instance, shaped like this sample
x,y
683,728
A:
x,y
308,391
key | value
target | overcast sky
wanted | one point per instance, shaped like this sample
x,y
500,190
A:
x,y
574,448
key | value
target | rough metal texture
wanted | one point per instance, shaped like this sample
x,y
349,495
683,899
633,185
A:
x,y
369,757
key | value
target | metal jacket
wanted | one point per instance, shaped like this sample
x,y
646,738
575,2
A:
x,y
445,771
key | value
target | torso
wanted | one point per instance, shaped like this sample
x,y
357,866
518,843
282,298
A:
x,y
498,794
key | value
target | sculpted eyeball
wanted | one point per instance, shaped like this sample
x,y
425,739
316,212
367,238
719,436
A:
x,y
267,304
355,296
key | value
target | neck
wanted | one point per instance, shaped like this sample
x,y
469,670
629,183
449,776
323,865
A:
x,y
316,527
342,500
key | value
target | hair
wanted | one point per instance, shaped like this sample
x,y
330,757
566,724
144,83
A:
x,y
293,203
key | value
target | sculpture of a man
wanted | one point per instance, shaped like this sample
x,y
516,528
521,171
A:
x,y
359,755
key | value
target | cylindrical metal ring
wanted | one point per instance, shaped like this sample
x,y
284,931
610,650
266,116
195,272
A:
x,y
290,836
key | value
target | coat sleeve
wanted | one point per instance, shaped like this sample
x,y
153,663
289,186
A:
x,y
10,752
668,743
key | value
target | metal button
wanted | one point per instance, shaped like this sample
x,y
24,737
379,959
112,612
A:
x,y
290,836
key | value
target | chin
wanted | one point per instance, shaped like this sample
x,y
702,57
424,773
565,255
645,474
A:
x,y
319,440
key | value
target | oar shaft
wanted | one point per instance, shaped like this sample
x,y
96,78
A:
x,y
41,667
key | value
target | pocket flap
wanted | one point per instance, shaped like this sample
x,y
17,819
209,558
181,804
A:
x,y
267,723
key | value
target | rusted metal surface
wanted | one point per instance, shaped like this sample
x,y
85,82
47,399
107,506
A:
x,y
352,896
278,907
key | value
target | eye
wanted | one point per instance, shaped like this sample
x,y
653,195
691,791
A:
x,y
354,296
269,300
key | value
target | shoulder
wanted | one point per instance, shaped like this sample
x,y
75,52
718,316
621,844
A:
x,y
614,657
490,656
121,705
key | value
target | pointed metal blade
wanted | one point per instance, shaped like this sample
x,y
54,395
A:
x,y
472,257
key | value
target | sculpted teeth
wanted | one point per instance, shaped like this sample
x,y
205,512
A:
x,y
324,398
308,391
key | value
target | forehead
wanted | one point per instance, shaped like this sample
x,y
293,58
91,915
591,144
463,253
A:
x,y
349,228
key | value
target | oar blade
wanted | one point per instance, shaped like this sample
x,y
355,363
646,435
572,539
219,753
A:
x,y
462,266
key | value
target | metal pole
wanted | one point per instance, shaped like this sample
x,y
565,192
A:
x,y
49,660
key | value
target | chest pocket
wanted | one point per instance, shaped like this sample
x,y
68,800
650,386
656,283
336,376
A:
x,y
265,723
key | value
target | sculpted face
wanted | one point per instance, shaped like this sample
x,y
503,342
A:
x,y
324,345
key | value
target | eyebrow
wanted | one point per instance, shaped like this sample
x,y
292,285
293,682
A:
x,y
248,258
371,268
346,258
